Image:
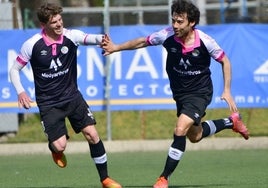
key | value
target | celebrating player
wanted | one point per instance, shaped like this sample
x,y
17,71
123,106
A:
x,y
53,58
189,53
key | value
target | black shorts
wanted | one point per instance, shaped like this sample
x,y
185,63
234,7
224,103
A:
x,y
53,118
193,106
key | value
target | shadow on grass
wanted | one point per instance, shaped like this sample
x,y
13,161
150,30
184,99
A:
x,y
144,186
62,187
181,186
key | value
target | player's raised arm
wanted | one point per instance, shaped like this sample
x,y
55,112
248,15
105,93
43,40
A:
x,y
109,47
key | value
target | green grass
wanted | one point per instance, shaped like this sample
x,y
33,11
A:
x,y
198,169
157,124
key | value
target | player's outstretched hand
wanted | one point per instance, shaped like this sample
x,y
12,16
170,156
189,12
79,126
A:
x,y
107,45
24,100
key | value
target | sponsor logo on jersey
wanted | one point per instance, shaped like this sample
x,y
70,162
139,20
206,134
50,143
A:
x,y
185,64
64,50
43,52
195,52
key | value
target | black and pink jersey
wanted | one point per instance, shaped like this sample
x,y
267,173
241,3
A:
x,y
54,66
188,67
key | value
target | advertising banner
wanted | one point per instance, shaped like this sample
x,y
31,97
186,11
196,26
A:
x,y
138,80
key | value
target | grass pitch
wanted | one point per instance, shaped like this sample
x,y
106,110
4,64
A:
x,y
198,169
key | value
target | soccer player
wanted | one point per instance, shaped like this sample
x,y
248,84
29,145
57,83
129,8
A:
x,y
52,54
189,53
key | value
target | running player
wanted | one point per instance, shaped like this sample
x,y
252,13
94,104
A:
x,y
189,53
53,58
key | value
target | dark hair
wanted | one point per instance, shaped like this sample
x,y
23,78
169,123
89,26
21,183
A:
x,y
47,10
186,6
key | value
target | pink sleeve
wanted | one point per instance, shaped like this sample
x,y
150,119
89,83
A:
x,y
215,51
159,37
220,57
20,60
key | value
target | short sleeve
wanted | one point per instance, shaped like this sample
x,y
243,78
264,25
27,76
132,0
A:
x,y
159,37
215,51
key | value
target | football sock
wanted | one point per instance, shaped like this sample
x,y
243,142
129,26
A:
x,y
211,127
175,153
99,156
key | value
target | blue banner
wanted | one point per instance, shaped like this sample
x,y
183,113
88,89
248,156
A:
x,y
138,78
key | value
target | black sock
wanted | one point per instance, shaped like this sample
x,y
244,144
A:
x,y
98,154
211,127
175,153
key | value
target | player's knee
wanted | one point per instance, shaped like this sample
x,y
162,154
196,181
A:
x,y
93,140
59,146
91,135
61,149
179,131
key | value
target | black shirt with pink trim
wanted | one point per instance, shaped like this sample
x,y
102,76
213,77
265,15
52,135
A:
x,y
188,67
54,66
